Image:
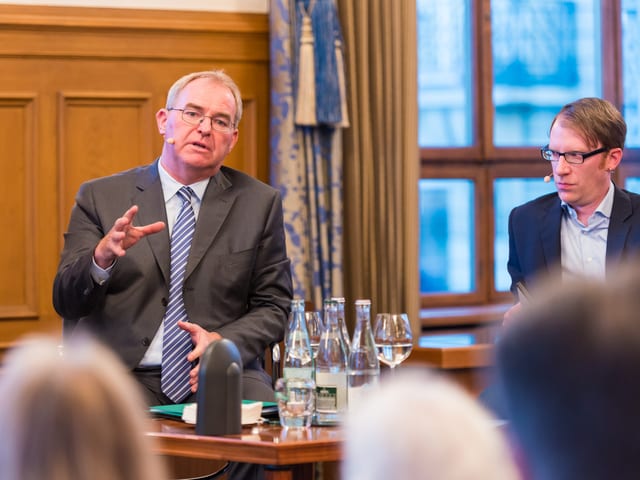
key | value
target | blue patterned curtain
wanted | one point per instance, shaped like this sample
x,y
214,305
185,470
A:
x,y
307,114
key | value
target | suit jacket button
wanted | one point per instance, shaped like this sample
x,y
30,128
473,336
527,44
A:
x,y
146,342
165,302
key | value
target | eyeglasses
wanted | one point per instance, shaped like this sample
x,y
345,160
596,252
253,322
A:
x,y
570,157
218,123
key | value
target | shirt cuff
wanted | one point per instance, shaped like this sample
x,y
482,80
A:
x,y
98,274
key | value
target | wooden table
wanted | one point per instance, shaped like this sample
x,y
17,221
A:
x,y
288,454
469,365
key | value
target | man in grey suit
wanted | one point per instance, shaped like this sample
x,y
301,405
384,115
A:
x,y
114,272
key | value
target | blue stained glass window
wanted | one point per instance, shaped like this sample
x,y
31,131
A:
x,y
444,73
545,54
632,184
631,69
447,242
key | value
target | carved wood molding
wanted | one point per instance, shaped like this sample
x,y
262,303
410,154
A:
x,y
133,33
125,18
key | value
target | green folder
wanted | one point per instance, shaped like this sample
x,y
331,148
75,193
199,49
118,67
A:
x,y
175,411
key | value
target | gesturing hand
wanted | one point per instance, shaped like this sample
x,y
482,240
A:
x,y
122,236
511,313
201,340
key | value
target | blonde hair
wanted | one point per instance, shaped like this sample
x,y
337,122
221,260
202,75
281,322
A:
x,y
420,426
72,416
218,76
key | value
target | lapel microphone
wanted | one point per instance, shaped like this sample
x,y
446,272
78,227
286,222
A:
x,y
548,178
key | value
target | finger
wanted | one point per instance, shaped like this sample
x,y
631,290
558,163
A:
x,y
195,353
193,374
151,228
509,314
123,223
189,327
193,378
129,214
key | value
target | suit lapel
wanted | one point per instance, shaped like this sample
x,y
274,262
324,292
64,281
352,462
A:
x,y
151,208
618,226
216,204
550,233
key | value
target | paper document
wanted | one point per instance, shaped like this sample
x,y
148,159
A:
x,y
252,410
251,413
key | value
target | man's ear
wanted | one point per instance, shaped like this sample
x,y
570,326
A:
x,y
161,120
614,158
233,141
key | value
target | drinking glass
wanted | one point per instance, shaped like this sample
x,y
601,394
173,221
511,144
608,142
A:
x,y
296,397
393,338
314,328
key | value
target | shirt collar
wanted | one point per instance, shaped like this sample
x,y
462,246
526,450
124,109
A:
x,y
170,185
604,208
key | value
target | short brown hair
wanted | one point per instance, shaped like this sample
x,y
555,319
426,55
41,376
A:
x,y
597,120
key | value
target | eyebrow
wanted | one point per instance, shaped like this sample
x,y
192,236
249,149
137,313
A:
x,y
193,106
586,150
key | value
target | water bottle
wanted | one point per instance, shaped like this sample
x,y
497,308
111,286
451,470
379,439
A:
x,y
363,371
342,323
298,359
331,370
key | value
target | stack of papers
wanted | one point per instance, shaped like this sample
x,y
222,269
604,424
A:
x,y
251,413
188,412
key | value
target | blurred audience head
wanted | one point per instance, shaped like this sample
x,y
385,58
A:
x,y
72,415
569,370
421,426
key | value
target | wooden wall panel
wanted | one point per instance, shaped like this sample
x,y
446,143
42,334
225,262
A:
x,y
99,134
79,88
17,241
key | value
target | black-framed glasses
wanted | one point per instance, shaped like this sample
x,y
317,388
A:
x,y
570,157
220,123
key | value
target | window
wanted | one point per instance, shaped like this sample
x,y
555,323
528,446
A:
x,y
446,206
630,16
445,79
491,76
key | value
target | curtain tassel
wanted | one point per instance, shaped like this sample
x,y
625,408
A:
x,y
306,97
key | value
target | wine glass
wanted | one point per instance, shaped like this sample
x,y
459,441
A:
x,y
314,328
393,338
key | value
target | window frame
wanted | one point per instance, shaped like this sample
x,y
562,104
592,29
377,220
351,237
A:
x,y
483,162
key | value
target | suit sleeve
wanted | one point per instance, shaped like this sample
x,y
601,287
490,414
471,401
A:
x,y
75,294
513,264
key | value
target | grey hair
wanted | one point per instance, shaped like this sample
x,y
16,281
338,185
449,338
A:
x,y
218,76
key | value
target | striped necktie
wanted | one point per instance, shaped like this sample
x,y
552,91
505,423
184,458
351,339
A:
x,y
176,343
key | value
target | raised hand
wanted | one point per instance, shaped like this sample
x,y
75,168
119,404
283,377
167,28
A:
x,y
122,236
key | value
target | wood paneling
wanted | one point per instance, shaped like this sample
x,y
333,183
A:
x,y
79,89
17,242
99,133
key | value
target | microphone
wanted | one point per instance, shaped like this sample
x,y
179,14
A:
x,y
547,178
171,140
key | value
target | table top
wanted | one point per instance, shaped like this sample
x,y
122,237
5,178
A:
x,y
264,444
454,357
